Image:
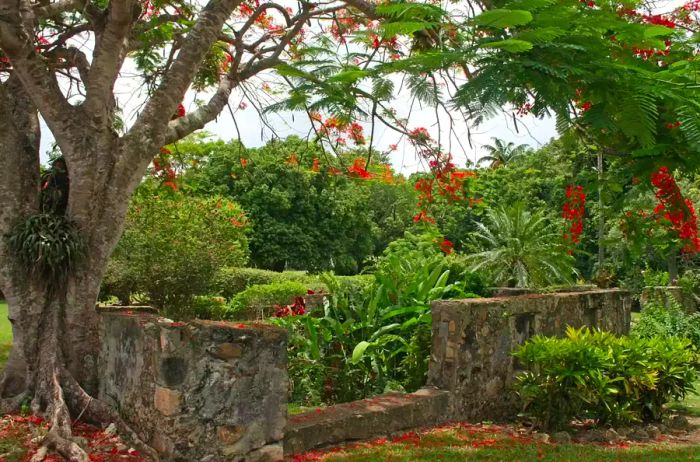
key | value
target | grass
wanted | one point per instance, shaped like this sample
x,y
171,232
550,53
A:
x,y
466,443
5,334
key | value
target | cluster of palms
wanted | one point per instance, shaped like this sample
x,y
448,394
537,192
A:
x,y
502,153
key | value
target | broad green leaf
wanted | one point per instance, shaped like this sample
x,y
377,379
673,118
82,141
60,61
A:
x,y
502,18
359,351
657,31
510,45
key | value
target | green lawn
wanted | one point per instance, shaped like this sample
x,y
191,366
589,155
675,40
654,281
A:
x,y
5,334
472,443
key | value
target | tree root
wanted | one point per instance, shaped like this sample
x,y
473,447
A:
x,y
95,410
59,439
14,404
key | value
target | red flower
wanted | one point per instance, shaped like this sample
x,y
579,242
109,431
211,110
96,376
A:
x,y
676,210
574,210
180,110
446,246
359,169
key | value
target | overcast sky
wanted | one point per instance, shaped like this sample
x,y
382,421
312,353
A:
x,y
254,133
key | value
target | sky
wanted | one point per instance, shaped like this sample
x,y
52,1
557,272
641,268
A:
x,y
530,131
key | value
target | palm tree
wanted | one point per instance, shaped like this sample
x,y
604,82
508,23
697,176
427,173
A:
x,y
521,249
502,153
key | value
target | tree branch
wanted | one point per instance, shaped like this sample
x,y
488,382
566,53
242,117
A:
x,y
43,11
149,130
40,84
196,120
111,47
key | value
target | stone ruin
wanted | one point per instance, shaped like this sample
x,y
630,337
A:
x,y
216,391
202,391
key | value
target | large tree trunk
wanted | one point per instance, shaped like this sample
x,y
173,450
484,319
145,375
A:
x,y
53,360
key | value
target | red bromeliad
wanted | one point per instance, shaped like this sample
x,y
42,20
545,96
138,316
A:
x,y
676,209
573,211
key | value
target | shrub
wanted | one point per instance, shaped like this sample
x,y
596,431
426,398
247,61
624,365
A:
x,y
255,299
595,375
658,320
230,281
172,247
690,283
654,278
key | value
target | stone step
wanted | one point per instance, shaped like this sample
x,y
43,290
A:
x,y
364,419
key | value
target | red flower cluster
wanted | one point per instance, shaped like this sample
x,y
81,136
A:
x,y
446,246
358,168
344,24
295,309
420,135
335,128
163,169
355,132
676,209
573,211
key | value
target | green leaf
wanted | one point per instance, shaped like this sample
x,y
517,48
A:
x,y
502,18
349,76
404,28
359,351
657,31
510,45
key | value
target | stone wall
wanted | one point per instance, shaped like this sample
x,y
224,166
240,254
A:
x,y
473,340
203,391
364,419
665,295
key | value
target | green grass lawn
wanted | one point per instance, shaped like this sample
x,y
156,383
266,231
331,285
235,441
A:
x,y
5,334
472,443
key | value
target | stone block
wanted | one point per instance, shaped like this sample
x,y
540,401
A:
x,y
167,401
227,351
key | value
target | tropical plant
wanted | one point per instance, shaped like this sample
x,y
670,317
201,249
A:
x,y
595,375
371,341
502,153
520,249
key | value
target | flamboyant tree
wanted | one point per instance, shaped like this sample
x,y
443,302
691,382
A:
x,y
68,61
64,60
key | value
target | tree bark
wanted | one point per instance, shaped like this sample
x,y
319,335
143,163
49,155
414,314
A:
x,y
53,360
19,186
601,214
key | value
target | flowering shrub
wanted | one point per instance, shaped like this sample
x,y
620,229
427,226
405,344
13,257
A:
x,y
295,309
676,210
257,300
172,247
